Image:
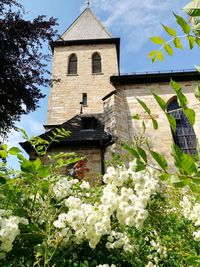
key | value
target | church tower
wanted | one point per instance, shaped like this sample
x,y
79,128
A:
x,y
84,58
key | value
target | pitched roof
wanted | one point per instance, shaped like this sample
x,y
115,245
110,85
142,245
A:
x,y
78,134
86,27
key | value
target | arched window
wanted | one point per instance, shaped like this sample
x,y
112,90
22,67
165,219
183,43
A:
x,y
72,64
96,63
184,137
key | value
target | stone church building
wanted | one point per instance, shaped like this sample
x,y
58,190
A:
x,y
96,103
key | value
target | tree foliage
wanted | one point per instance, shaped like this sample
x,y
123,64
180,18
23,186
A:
x,y
23,66
190,29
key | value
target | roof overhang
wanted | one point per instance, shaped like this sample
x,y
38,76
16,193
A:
x,y
79,136
146,78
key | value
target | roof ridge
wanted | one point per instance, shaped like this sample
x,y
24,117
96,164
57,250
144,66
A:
x,y
103,32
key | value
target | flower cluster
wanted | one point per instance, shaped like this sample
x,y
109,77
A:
x,y
191,211
125,197
9,230
150,264
63,187
117,240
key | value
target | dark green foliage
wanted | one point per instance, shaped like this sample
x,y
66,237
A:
x,y
23,66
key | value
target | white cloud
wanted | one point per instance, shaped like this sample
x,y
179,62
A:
x,y
136,19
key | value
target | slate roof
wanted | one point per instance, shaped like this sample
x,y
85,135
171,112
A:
x,y
86,27
96,136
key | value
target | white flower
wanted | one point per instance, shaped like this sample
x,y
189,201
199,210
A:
x,y
150,264
197,236
85,185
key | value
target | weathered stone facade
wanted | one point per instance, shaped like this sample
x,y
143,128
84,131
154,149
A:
x,y
120,107
109,93
66,94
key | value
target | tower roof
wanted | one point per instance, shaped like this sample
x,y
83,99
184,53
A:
x,y
86,27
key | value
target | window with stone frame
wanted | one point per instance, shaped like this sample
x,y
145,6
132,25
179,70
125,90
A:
x,y
84,100
72,64
184,136
96,63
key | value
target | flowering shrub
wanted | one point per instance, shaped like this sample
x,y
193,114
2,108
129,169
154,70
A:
x,y
134,219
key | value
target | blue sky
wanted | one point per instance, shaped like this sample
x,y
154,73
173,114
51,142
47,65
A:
x,y
134,21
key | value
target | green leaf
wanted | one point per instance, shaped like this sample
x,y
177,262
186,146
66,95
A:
x,y
172,122
159,56
14,151
183,162
181,97
159,159
140,166
164,176
168,49
177,43
157,40
37,163
3,154
193,8
191,41
184,25
3,179
181,184
142,153
156,54
190,114
197,40
197,92
4,146
169,30
155,123
193,260
24,134
144,106
27,166
144,127
131,150
176,86
160,101
152,53
136,117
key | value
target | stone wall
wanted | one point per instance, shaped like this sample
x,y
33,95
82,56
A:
x,y
116,121
92,154
66,94
160,139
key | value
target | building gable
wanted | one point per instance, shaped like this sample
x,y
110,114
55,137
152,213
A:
x,y
86,27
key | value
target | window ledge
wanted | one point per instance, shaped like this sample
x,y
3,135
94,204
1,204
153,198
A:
x,y
85,106
72,74
98,73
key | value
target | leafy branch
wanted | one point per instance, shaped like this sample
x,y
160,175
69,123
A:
x,y
191,30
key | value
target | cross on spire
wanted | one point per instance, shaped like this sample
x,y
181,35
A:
x,y
88,3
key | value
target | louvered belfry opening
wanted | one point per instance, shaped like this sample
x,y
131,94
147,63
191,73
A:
x,y
72,65
96,63
184,137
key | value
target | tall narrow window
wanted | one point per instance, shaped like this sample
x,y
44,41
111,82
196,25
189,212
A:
x,y
96,63
84,101
72,64
184,137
